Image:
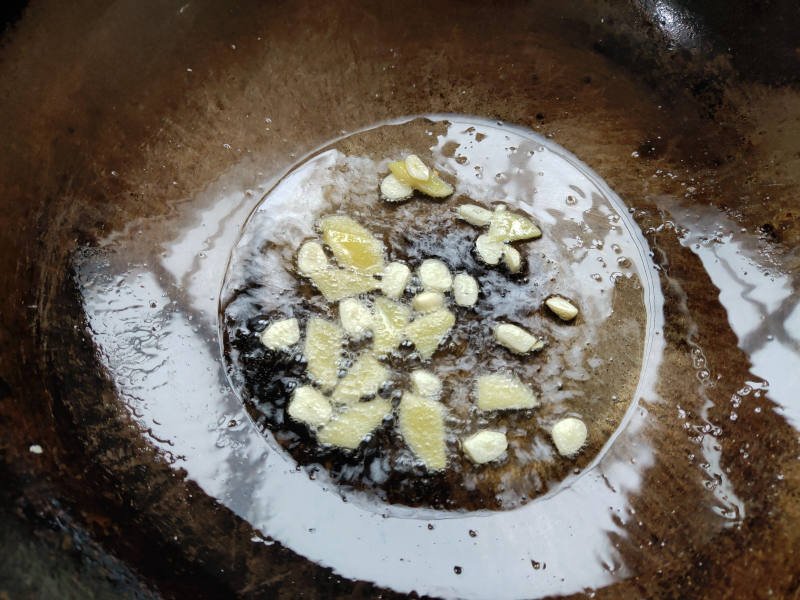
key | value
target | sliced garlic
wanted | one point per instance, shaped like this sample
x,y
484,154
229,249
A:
x,y
337,284
311,258
569,436
562,307
427,331
489,250
435,275
355,318
309,406
416,168
506,226
498,391
388,324
485,446
352,244
465,290
425,384
474,215
512,259
364,378
322,350
422,425
394,280
281,335
516,338
427,301
348,430
394,190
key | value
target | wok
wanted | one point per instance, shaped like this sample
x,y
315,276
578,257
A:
x,y
137,139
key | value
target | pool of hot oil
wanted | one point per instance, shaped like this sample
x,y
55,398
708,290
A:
x,y
383,466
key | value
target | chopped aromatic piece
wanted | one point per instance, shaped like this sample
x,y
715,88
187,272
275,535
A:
x,y
434,275
310,407
394,280
425,384
429,330
516,338
500,392
562,307
364,378
395,190
355,318
322,350
489,250
427,301
474,215
422,425
311,258
512,259
484,446
465,290
569,436
352,244
281,335
347,430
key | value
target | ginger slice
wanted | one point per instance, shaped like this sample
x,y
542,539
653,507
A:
x,y
322,350
498,391
422,425
506,226
352,244
427,331
434,186
364,378
337,284
348,430
309,406
389,322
